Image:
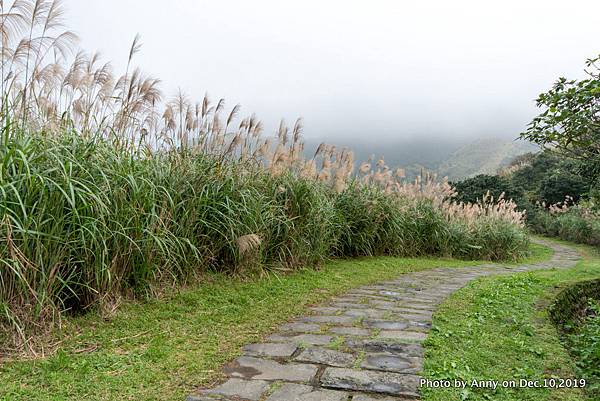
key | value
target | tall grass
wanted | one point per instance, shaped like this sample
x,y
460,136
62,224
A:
x,y
577,223
107,190
84,222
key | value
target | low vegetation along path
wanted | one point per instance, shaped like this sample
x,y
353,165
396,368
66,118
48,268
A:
x,y
362,346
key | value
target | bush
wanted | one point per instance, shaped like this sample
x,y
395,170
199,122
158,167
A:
x,y
557,186
578,224
473,189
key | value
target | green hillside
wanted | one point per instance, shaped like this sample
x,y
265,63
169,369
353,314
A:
x,y
483,156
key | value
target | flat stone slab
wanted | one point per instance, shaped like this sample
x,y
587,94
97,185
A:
x,y
275,350
302,339
349,305
327,310
417,307
212,397
382,345
324,356
402,335
392,363
371,381
348,299
350,331
386,324
329,319
246,367
392,294
301,327
370,313
247,389
382,304
366,296
299,392
413,325
411,311
416,318
416,301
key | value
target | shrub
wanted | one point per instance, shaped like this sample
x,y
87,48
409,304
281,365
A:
x,y
472,189
578,224
557,186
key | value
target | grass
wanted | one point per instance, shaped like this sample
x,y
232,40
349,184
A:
x,y
497,328
83,223
171,345
109,189
584,345
579,224
537,253
162,350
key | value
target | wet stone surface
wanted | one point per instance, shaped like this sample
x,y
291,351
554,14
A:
x,y
298,392
324,356
362,346
389,346
371,381
392,363
264,369
249,389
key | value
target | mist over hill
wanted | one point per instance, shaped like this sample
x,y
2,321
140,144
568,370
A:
x,y
483,156
456,158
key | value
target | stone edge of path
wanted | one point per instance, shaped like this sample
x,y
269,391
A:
x,y
364,345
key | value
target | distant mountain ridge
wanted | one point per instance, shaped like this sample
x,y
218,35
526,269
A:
x,y
455,158
483,156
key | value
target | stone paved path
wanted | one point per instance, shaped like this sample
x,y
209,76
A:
x,y
362,346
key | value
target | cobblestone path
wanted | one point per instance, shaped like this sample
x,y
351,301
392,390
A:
x,y
362,346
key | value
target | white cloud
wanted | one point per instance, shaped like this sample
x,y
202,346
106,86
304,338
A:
x,y
382,67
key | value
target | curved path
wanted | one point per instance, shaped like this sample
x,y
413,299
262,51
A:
x,y
362,346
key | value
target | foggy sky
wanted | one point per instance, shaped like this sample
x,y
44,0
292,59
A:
x,y
375,69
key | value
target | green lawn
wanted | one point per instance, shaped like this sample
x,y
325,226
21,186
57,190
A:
x,y
497,328
161,350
